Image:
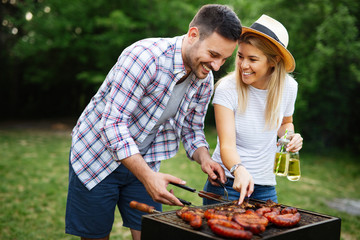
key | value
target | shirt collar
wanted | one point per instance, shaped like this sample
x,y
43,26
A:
x,y
179,67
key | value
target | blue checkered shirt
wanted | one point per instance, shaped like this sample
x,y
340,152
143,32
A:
x,y
130,102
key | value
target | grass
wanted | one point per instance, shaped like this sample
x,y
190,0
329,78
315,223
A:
x,y
34,178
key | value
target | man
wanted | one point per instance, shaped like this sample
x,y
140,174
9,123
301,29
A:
x,y
156,94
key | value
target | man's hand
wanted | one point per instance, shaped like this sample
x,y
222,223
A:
x,y
209,166
155,183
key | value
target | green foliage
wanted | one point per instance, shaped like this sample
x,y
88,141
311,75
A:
x,y
53,63
337,53
324,39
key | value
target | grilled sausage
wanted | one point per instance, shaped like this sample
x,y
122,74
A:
x,y
194,220
230,232
251,221
274,212
225,223
252,217
289,210
270,215
286,220
142,207
180,211
212,213
263,210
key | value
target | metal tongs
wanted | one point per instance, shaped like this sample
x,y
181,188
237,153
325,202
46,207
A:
x,y
226,194
203,194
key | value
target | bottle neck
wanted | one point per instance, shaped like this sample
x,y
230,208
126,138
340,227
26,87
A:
x,y
283,144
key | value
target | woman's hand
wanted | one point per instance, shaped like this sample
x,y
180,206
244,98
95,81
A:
x,y
296,141
295,144
243,183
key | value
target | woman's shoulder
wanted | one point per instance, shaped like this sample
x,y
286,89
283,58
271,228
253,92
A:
x,y
291,82
290,79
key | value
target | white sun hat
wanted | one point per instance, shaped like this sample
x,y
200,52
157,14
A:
x,y
276,33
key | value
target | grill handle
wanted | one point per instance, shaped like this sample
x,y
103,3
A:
x,y
185,202
184,187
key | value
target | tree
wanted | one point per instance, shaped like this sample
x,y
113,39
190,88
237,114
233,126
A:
x,y
62,53
56,53
324,39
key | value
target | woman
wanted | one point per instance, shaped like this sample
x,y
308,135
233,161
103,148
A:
x,y
253,106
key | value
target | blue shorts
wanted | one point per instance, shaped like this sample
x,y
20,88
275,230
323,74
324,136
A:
x,y
90,214
260,192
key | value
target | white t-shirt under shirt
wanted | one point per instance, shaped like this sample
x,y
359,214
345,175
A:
x,y
255,145
171,109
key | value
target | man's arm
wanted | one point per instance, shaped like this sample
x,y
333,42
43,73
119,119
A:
x,y
155,183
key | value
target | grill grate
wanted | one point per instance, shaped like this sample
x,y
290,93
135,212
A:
x,y
168,225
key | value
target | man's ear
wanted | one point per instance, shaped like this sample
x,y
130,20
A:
x,y
193,34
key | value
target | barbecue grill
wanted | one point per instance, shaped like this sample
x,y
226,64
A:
x,y
168,226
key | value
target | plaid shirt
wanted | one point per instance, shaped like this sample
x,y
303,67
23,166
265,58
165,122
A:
x,y
130,102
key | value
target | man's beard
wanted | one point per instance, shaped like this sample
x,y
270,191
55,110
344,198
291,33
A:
x,y
196,68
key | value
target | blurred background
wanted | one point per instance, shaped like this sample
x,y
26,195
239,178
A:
x,y
56,53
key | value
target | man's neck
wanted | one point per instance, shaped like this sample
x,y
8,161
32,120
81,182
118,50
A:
x,y
184,78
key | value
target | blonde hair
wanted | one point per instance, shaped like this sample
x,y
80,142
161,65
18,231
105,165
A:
x,y
275,84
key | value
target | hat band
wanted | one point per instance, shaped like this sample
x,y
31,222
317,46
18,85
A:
x,y
267,31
